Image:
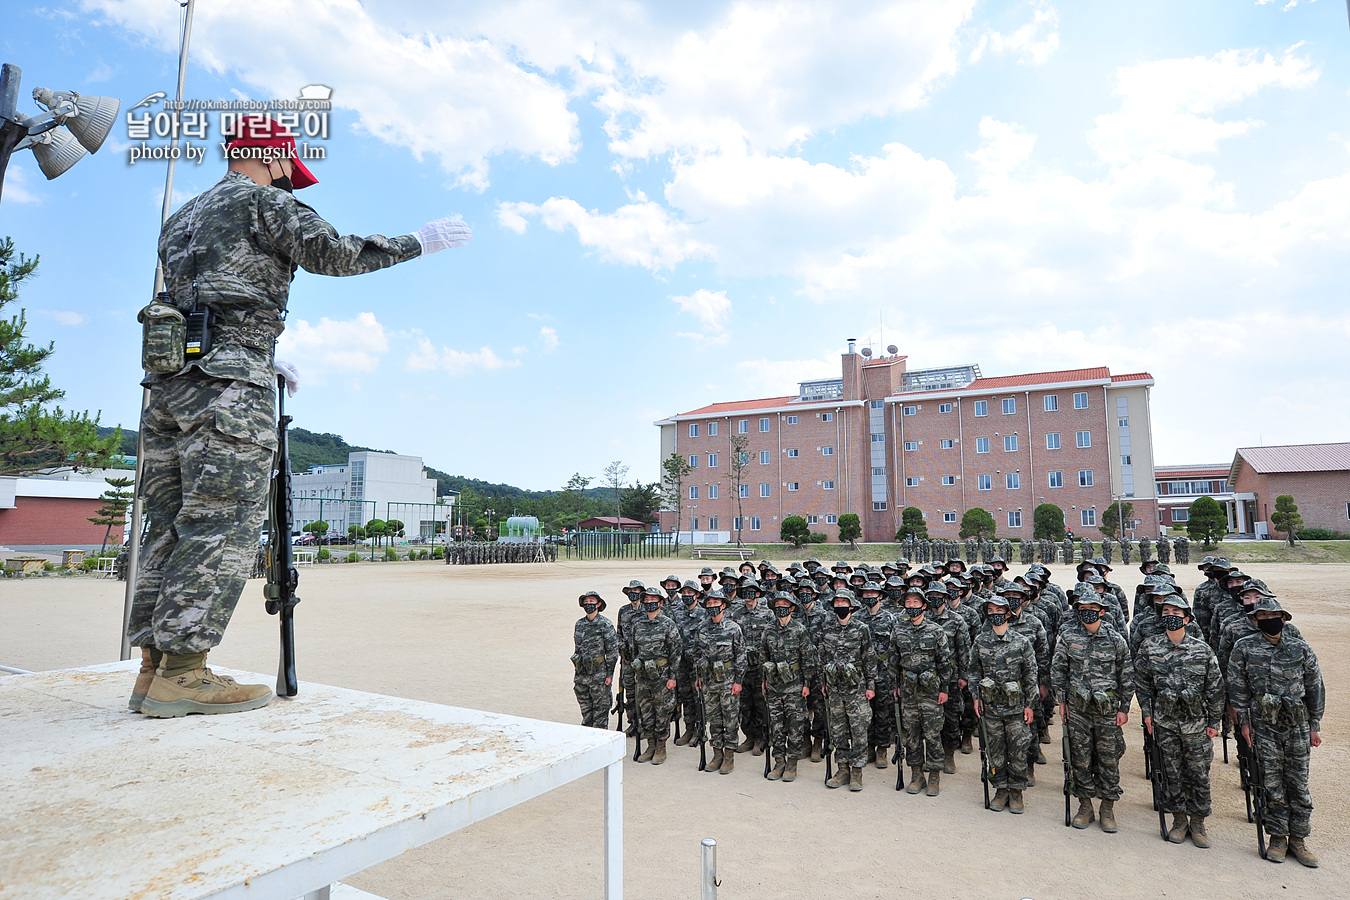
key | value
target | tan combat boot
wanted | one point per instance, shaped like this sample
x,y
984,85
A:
x,y
777,771
806,746
871,755
1177,833
1000,800
728,763
949,763
183,685
883,756
1031,776
646,755
916,780
1085,816
855,778
150,658
1107,815
1299,848
1279,845
746,745
660,755
934,783
682,739
817,750
1015,805
840,777
716,762
790,770
1198,836
966,747
1040,757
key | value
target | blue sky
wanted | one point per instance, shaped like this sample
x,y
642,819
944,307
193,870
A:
x,y
677,204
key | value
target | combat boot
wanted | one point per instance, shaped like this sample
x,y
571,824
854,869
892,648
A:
x,y
883,756
871,755
684,737
1198,836
1177,833
1107,815
728,763
716,762
746,745
1040,757
1015,803
758,749
790,770
1085,816
1301,852
631,731
1000,800
777,772
660,755
840,778
934,783
817,750
183,685
966,747
916,780
806,746
150,658
1031,776
1045,736
949,763
1279,845
855,778
646,755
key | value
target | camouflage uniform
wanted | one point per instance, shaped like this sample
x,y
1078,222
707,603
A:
x,y
654,648
921,665
688,619
754,715
1002,676
789,665
1203,601
1164,550
881,733
1092,673
628,614
1148,625
721,663
1180,687
954,710
210,430
597,650
848,667
816,621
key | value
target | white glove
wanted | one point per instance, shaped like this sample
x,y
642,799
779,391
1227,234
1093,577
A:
x,y
290,373
443,234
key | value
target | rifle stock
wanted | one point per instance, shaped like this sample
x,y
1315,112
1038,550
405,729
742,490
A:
x,y
618,707
1256,777
700,727
1159,779
282,576
899,747
829,748
1068,770
986,771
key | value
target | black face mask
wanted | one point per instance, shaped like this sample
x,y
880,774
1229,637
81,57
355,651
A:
x,y
782,612
1088,616
282,182
650,606
915,611
1173,623
713,608
894,594
590,607
690,600
998,618
842,612
806,596
1271,627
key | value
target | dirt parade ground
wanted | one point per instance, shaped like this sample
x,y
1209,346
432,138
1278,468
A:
x,y
499,638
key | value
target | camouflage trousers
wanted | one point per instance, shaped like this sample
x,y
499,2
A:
x,y
594,697
1186,761
684,690
1007,739
209,450
721,708
850,716
953,712
968,720
922,720
1284,765
787,721
628,682
1094,751
655,703
881,733
815,706
753,713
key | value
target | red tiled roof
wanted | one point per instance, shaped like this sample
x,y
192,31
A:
x,y
1133,376
1198,470
1295,458
717,409
1099,373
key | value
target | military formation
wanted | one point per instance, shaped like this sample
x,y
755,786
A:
x,y
905,665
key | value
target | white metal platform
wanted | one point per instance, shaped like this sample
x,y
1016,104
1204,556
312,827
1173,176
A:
x,y
100,802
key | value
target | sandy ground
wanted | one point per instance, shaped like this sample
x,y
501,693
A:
x,y
499,637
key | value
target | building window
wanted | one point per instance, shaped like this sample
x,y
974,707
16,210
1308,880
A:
x,y
1123,421
1080,400
827,451
1125,460
911,482
827,417
981,407
792,420
712,523
693,429
1013,480
1089,517
764,457
1181,515
712,430
1010,443
693,524
827,485
764,490
1052,440
911,445
1056,479
792,453
693,461
745,457
812,520
879,438
754,523
794,485
744,490
1009,405
947,443
1084,439
878,470
831,520
1085,478
984,482
693,492
713,491
763,424
742,426
1014,518
982,445
736,523
712,460
878,505
944,407
1051,402
910,410
875,404
949,517
949,479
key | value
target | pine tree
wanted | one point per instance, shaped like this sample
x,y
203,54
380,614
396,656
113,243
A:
x,y
114,508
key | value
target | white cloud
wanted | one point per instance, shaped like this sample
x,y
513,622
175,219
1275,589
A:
x,y
710,307
643,234
427,358
333,347
63,316
549,337
1033,43
779,377
17,189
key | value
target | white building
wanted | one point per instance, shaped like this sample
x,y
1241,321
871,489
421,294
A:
x,y
371,486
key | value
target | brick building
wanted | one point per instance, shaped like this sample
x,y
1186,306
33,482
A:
x,y
52,510
881,437
1180,486
1317,476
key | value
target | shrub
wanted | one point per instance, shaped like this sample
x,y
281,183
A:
x,y
390,554
977,523
91,563
795,531
818,538
1208,522
1049,523
353,557
850,529
438,553
49,567
1319,534
325,554
422,554
912,522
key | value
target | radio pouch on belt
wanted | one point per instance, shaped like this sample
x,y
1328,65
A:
x,y
163,336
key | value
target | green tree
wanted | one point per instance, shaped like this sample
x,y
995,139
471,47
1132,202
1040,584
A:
x,y
35,434
740,459
480,529
356,533
614,475
1048,523
641,502
850,529
912,522
575,495
375,529
977,523
318,528
1116,518
675,469
393,528
1285,518
114,508
1208,522
795,530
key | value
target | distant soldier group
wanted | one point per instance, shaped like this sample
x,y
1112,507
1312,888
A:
x,y
840,663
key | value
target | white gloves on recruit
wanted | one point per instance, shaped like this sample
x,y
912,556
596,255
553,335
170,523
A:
x,y
443,234
290,373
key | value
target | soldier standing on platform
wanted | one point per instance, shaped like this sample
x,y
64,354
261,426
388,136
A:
x,y
596,650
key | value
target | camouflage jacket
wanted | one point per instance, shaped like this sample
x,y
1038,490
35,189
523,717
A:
x,y
628,614
1002,672
1121,601
1226,609
689,621
846,658
1049,620
235,249
753,622
597,649
1148,624
958,636
789,659
1180,686
721,652
1056,593
1237,628
1113,614
1031,628
1203,601
1092,672
881,626
654,646
1277,684
922,663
